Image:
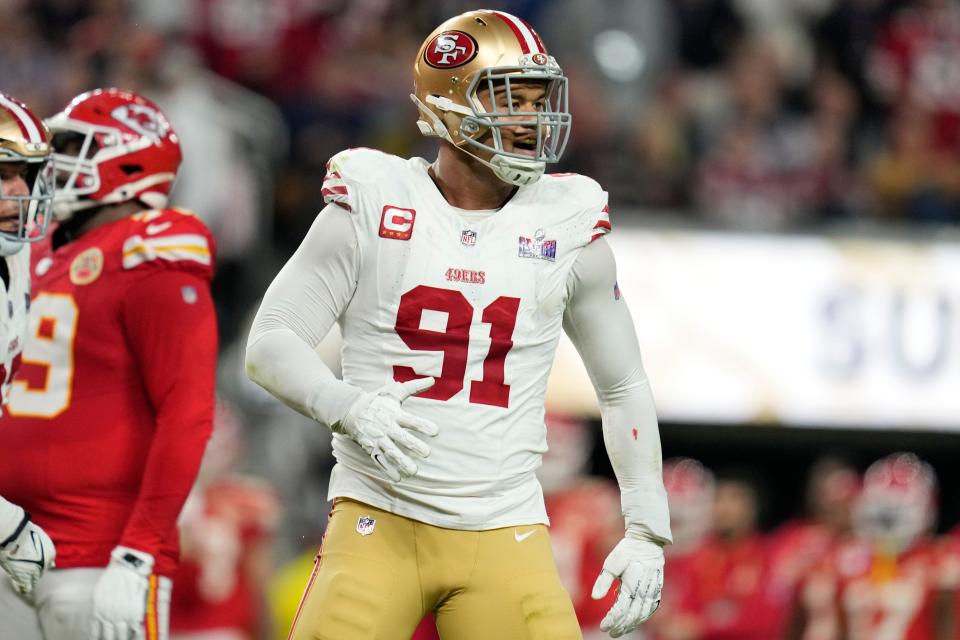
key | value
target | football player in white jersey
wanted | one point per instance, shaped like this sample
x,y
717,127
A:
x,y
451,282
26,198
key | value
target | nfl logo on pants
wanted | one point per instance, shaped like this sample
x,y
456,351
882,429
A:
x,y
365,525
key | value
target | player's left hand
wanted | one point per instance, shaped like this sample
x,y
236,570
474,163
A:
x,y
639,566
120,596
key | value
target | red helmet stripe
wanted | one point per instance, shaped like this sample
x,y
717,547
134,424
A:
x,y
536,36
36,123
29,126
525,36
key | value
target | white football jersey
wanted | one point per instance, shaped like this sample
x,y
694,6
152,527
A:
x,y
14,307
473,299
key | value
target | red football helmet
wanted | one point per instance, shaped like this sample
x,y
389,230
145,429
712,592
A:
x,y
898,503
111,146
690,488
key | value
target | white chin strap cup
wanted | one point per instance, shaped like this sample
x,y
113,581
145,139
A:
x,y
9,247
514,171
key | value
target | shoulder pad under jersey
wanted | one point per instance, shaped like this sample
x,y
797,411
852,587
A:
x,y
168,239
587,197
351,172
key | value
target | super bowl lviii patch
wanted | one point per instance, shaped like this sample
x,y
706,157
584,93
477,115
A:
x,y
538,247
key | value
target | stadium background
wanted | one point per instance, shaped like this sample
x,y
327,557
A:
x,y
798,133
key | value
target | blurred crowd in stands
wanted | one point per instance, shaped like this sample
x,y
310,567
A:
x,y
858,561
778,114
861,562
766,115
746,114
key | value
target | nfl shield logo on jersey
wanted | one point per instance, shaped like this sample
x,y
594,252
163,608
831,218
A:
x,y
189,294
468,238
365,525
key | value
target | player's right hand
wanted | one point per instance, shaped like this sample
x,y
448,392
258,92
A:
x,y
25,554
377,422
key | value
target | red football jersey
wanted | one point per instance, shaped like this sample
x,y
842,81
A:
x,y
796,549
224,540
678,604
730,594
111,410
950,574
585,525
887,598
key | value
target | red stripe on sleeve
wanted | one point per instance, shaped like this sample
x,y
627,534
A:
x,y
333,191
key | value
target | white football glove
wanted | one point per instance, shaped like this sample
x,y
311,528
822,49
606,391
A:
x,y
26,551
377,423
639,565
120,596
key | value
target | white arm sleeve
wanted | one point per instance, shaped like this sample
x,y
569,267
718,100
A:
x,y
298,309
602,330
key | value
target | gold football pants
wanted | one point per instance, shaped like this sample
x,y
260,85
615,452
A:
x,y
376,580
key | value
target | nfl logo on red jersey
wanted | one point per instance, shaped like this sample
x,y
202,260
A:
x,y
365,525
468,238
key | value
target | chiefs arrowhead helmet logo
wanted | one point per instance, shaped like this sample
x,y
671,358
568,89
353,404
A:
x,y
450,49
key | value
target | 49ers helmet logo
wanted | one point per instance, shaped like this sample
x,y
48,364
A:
x,y
450,49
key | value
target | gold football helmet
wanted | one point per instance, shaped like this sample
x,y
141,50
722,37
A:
x,y
28,201
478,51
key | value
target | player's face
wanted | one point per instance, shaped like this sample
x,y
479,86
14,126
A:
x,y
524,97
734,509
69,143
13,180
832,492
